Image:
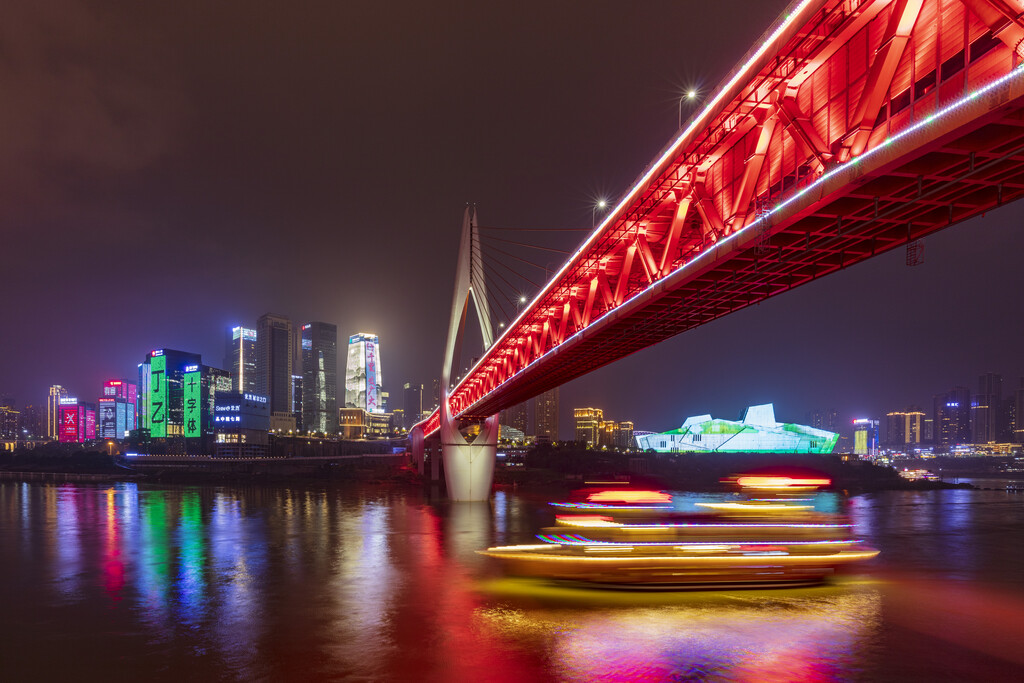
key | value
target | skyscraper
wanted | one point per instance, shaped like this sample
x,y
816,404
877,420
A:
x,y
904,428
57,392
546,415
320,378
297,397
517,417
588,424
240,359
986,408
274,361
362,374
412,404
952,421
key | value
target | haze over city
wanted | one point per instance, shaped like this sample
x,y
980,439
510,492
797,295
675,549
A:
x,y
171,171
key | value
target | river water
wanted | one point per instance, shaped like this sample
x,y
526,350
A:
x,y
131,581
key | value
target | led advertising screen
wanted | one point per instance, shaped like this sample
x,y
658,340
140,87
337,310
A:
x,y
68,432
193,404
90,424
372,395
108,418
158,396
121,419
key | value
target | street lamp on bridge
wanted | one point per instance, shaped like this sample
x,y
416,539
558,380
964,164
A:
x,y
688,96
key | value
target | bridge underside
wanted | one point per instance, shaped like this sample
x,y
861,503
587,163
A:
x,y
852,128
954,181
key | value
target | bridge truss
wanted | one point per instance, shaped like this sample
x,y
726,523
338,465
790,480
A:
x,y
851,128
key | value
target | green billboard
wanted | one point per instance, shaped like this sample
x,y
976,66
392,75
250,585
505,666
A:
x,y
158,396
193,403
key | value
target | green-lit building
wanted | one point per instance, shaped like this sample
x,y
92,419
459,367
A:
x,y
176,402
756,432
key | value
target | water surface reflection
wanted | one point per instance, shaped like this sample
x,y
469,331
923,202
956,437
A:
x,y
362,583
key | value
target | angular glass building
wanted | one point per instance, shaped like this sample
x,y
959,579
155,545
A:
x,y
757,432
320,378
362,374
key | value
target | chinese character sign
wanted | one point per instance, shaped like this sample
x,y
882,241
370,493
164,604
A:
x,y
193,403
158,396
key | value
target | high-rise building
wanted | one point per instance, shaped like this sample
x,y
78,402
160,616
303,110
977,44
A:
x,y
274,351
517,417
904,427
77,420
624,436
952,421
865,437
363,374
297,398
117,408
824,419
986,408
57,392
588,425
1018,415
10,419
178,395
241,422
412,404
240,359
320,378
545,418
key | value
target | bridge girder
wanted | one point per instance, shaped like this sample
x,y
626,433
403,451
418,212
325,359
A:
x,y
851,129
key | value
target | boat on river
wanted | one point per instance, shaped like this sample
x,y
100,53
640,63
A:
x,y
637,539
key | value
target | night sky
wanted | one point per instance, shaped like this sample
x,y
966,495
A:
x,y
169,169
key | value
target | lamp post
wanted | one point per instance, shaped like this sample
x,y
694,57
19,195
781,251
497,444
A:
x,y
689,96
601,204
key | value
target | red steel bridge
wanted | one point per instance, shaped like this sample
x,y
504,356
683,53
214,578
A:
x,y
851,128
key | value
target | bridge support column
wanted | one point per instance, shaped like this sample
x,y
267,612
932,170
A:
x,y
416,446
469,467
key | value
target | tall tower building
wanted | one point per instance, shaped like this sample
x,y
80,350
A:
x,y
546,415
320,378
588,424
240,359
1018,414
412,404
362,374
57,392
274,361
952,421
986,408
517,417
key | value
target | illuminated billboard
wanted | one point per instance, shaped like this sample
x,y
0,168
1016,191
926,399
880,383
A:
x,y
158,396
363,374
68,432
90,423
108,417
121,419
193,403
757,432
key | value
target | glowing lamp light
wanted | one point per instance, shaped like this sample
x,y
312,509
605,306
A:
x,y
770,482
629,497
691,94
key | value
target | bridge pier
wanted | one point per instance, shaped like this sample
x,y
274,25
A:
x,y
416,445
469,467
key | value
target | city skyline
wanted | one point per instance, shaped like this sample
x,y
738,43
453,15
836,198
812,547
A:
x,y
208,181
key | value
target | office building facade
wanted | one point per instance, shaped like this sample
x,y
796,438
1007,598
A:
x,y
320,378
240,358
545,420
412,404
363,374
57,392
274,351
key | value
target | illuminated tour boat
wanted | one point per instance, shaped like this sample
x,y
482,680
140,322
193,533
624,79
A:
x,y
637,538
